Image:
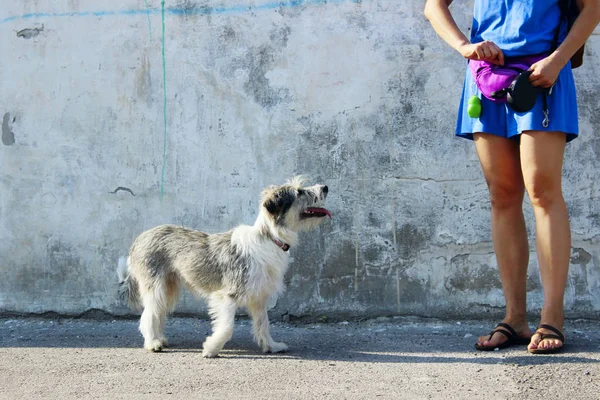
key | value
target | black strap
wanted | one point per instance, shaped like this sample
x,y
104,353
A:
x,y
569,11
564,15
506,330
502,331
543,336
507,327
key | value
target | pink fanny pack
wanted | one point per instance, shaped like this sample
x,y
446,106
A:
x,y
493,80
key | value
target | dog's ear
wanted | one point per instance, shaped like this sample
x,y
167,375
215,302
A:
x,y
279,201
271,206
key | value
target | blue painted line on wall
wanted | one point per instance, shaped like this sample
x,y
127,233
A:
x,y
149,20
164,65
239,9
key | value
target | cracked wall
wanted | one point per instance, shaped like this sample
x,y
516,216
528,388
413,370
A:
x,y
360,95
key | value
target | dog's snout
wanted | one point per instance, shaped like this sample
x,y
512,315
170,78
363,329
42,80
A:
x,y
325,189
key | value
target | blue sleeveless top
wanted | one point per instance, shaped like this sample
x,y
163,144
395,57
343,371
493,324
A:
x,y
518,27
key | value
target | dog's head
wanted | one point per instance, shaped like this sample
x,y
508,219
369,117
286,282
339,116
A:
x,y
294,207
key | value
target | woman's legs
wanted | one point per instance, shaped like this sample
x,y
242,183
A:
x,y
541,162
501,165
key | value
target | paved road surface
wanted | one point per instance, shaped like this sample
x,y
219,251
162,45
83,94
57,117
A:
x,y
399,358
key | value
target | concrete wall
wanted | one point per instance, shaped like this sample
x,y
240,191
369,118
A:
x,y
360,95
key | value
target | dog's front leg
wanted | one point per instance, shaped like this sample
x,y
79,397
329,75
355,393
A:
x,y
222,310
260,324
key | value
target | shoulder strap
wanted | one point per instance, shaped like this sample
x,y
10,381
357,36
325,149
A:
x,y
569,11
564,15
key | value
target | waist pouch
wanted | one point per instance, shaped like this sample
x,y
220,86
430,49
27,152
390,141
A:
x,y
494,80
509,83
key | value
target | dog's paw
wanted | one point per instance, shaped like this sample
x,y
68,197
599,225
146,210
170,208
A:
x,y
153,345
211,348
208,353
276,347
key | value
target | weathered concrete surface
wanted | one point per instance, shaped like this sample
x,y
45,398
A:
x,y
360,95
403,358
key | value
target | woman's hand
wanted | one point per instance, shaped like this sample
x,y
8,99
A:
x,y
545,72
482,51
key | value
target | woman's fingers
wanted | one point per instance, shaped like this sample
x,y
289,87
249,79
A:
x,y
491,52
498,55
484,51
487,52
479,53
543,74
540,81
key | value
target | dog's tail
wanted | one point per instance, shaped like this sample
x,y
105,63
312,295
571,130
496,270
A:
x,y
128,286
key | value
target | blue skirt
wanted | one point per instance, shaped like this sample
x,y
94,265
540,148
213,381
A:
x,y
499,119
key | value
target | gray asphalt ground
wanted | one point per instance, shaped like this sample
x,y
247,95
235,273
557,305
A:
x,y
399,358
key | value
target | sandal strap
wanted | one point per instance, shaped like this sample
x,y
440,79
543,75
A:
x,y
506,330
543,336
507,327
502,331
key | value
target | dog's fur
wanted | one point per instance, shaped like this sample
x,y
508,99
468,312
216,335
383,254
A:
x,y
239,268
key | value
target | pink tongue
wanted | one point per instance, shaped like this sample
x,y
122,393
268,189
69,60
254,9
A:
x,y
319,210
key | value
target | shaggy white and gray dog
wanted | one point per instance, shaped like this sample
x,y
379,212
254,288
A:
x,y
239,268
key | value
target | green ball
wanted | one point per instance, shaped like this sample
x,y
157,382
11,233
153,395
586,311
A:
x,y
474,107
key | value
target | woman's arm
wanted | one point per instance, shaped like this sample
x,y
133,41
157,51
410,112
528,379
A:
x,y
438,14
546,71
582,28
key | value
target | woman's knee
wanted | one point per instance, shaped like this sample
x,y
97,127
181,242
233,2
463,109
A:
x,y
506,195
543,190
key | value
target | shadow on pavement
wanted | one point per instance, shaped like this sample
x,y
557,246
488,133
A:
x,y
353,342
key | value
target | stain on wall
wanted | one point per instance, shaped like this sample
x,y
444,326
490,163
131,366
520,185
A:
x,y
258,61
29,33
8,136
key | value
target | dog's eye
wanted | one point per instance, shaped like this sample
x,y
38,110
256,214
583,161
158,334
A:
x,y
300,192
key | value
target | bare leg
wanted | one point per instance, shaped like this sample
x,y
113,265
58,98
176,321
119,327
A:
x,y
500,162
260,324
541,161
222,310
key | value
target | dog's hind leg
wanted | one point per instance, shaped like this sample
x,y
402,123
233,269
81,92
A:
x,y
222,311
260,325
171,298
152,320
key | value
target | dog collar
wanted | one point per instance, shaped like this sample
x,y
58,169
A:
x,y
280,244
